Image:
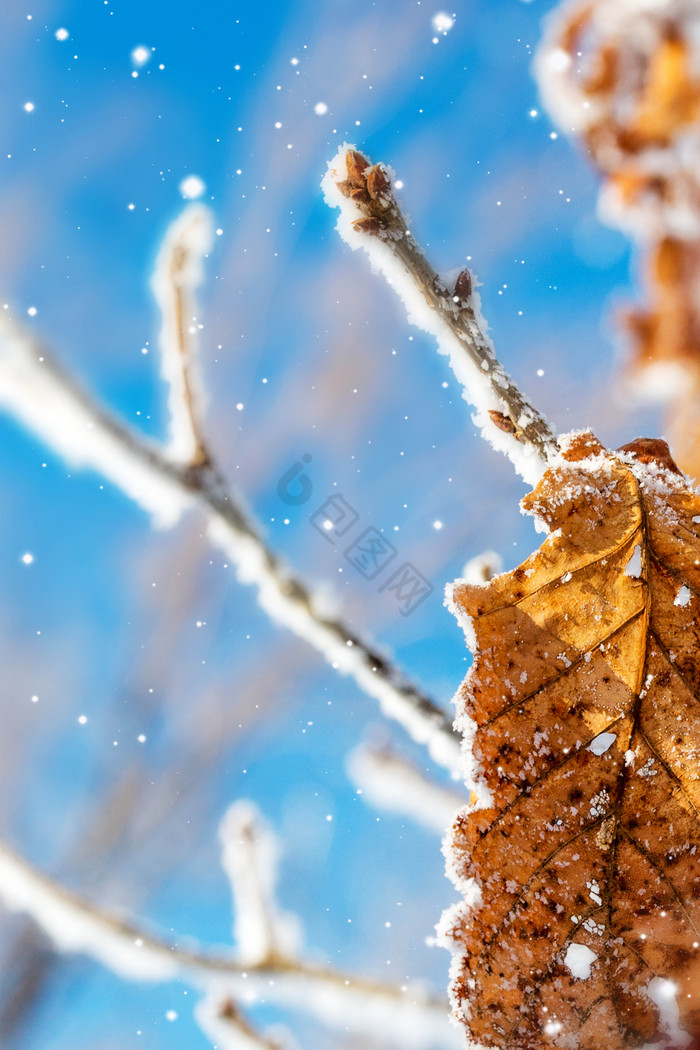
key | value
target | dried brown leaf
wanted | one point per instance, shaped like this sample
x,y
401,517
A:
x,y
581,869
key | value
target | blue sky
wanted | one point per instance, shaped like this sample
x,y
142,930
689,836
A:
x,y
103,623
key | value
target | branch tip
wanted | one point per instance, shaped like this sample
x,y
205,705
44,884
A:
x,y
450,314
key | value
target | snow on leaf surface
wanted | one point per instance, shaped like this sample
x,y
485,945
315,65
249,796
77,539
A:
x,y
580,864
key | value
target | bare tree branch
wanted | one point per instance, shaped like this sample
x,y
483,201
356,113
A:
x,y
408,1016
224,1024
249,857
36,390
391,782
372,219
177,273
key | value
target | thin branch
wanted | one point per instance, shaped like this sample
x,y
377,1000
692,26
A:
x,y
37,392
249,858
372,219
406,1014
178,272
223,1023
482,567
391,782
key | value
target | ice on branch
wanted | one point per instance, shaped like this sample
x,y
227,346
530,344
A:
x,y
249,856
370,218
391,782
178,272
35,391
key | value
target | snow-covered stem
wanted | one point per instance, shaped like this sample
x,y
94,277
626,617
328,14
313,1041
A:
x,y
178,272
43,398
406,1015
38,393
392,782
223,1023
371,218
249,857
288,601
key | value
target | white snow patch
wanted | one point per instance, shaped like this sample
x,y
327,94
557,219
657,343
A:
x,y
579,958
602,743
634,565
683,597
662,993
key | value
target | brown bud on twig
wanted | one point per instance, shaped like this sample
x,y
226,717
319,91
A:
x,y
356,193
378,184
504,423
371,225
463,286
346,188
356,165
228,1011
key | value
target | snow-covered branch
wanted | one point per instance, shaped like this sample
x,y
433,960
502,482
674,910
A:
x,y
406,1015
249,857
371,218
391,782
224,1024
177,274
36,391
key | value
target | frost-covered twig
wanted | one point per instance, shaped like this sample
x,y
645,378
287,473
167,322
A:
x,y
249,857
224,1024
177,274
371,218
35,390
405,1014
75,425
391,782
